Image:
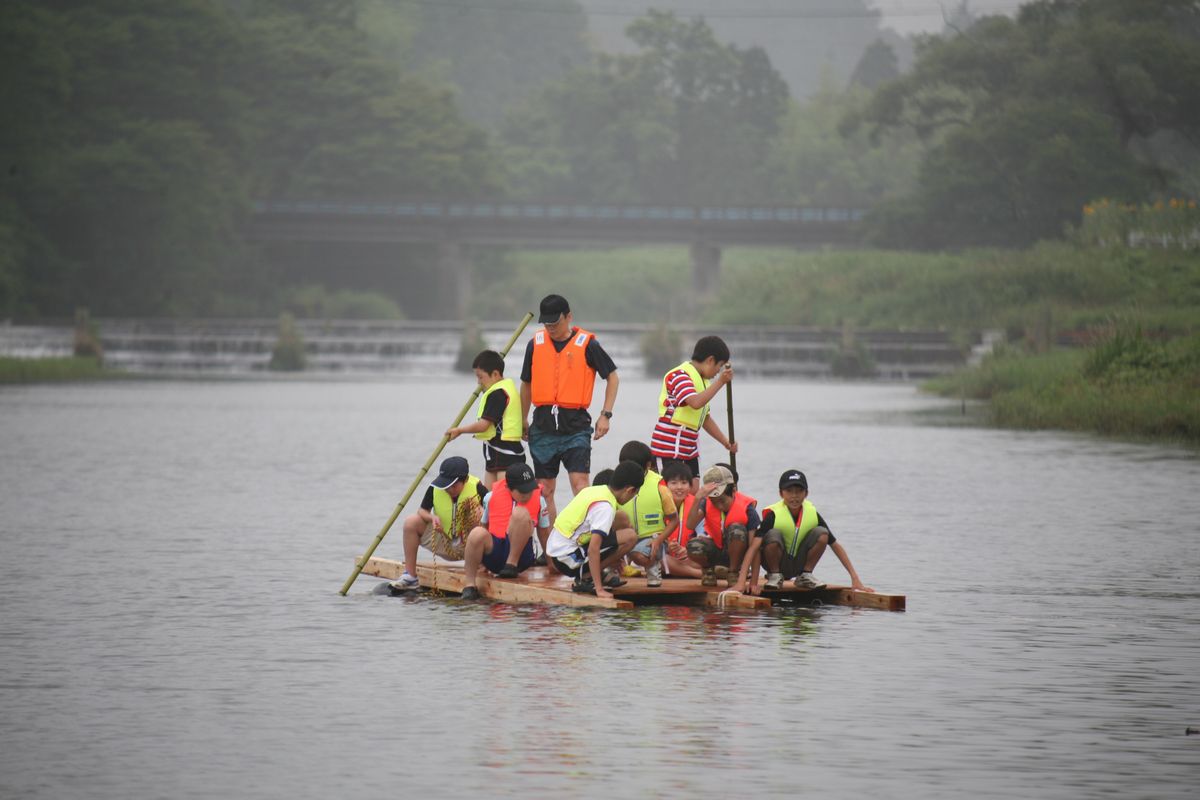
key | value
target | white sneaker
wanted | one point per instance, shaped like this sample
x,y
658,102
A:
x,y
406,582
654,575
805,580
774,580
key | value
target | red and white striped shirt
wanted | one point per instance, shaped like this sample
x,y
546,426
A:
x,y
671,440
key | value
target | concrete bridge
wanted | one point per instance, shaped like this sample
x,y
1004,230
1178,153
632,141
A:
x,y
453,226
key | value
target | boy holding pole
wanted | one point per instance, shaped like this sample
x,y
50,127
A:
x,y
683,405
499,424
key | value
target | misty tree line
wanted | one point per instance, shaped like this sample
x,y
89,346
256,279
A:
x,y
138,133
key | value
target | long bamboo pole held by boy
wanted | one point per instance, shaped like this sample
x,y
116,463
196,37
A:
x,y
362,562
729,409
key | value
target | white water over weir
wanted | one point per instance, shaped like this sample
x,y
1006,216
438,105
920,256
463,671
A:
x,y
366,347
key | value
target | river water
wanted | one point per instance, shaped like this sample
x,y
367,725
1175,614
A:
x,y
170,555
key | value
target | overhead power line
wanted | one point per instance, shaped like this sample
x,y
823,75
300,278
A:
x,y
915,10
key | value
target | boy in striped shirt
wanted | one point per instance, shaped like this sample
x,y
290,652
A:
x,y
683,405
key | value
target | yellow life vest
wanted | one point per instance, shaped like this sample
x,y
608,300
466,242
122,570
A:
x,y
645,510
684,414
510,423
571,517
446,508
793,531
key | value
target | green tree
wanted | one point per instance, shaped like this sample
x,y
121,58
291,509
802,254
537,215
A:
x,y
496,56
686,119
333,119
877,66
138,132
1028,119
813,162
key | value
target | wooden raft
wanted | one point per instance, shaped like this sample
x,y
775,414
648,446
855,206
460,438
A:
x,y
542,585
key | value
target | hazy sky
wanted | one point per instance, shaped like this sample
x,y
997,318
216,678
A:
x,y
925,16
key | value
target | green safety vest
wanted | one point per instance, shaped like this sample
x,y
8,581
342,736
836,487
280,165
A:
x,y
793,531
684,414
645,509
510,423
446,508
571,517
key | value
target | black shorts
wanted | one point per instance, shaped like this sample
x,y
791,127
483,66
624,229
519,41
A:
x,y
580,567
495,460
693,464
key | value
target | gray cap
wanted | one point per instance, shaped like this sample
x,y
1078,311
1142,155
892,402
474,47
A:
x,y
721,476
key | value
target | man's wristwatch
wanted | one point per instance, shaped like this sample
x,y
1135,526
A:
x,y
606,414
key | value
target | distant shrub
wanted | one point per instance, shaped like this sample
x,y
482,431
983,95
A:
x,y
87,337
470,346
662,349
852,362
288,353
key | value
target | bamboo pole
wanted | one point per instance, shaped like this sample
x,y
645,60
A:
x,y
729,409
358,567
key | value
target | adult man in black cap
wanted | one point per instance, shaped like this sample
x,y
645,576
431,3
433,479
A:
x,y
451,507
561,364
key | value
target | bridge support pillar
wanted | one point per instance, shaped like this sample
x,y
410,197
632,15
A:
x,y
706,266
454,264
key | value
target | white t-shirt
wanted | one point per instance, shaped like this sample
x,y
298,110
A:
x,y
599,518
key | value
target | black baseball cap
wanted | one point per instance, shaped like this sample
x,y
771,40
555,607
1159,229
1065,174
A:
x,y
793,477
553,306
452,470
519,478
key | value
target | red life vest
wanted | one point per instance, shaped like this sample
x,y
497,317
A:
x,y
715,522
501,505
683,532
562,379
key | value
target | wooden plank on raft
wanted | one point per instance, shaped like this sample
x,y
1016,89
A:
x,y
846,596
731,599
536,585
541,585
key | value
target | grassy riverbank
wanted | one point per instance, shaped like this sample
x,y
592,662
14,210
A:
x,y
1054,286
45,370
1127,384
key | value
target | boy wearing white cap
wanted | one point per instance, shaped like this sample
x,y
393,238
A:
x,y
722,518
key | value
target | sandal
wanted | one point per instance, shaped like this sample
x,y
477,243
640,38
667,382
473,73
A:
x,y
583,587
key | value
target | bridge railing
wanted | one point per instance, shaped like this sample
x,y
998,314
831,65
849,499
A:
x,y
543,211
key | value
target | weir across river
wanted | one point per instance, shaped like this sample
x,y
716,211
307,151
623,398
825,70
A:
x,y
381,347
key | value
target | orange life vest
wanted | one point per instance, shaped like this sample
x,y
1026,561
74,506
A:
x,y
562,379
683,532
715,523
501,505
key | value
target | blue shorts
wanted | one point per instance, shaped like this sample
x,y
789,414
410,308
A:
x,y
574,450
495,560
644,546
